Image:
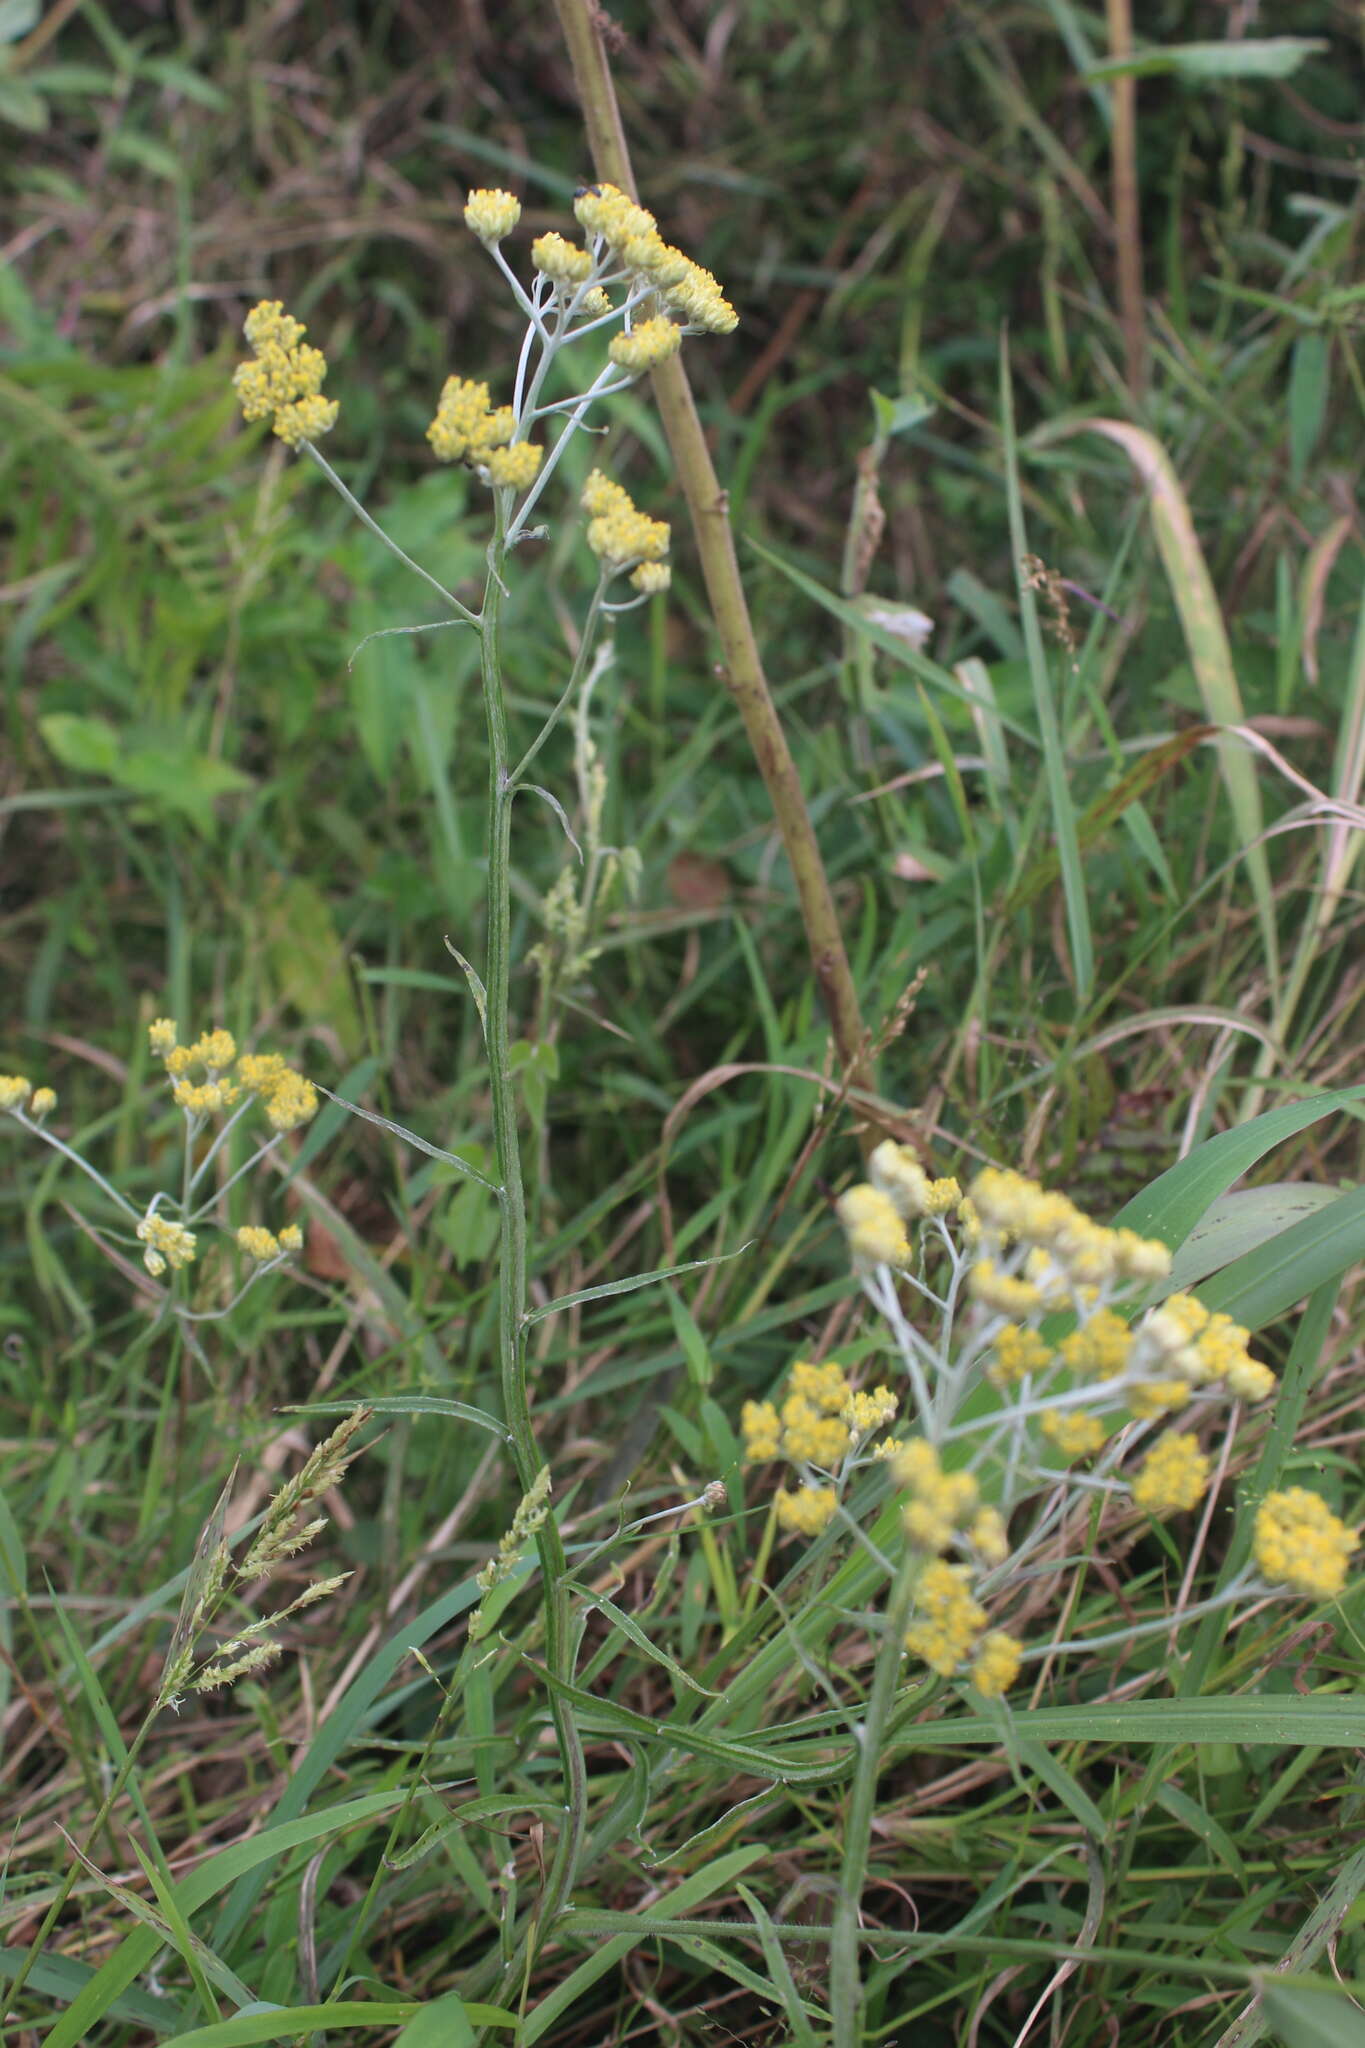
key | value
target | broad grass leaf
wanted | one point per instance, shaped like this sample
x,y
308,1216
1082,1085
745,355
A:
x,y
1306,2016
1173,1203
1240,1222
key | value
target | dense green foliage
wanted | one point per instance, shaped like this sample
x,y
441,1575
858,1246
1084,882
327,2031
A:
x,y
1086,937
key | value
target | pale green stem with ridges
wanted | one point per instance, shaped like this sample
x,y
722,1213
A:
x,y
512,1289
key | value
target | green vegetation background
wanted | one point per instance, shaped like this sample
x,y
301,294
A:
x,y
216,804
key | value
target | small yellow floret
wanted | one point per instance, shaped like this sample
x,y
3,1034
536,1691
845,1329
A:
x,y
1099,1349
559,259
291,1102
870,1410
1157,1397
876,1235
651,577
284,381
162,1035
42,1103
810,1437
806,1512
15,1090
1002,1292
168,1244
651,342
823,1385
1018,1352
949,1618
1173,1477
618,533
291,1238
1075,1433
1299,1543
761,1428
514,467
996,1663
258,1244
989,1536
490,214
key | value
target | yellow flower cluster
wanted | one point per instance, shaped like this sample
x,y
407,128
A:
x,y
560,260
822,1418
651,342
805,1512
18,1095
945,1507
260,1245
619,534
1198,1349
286,1097
491,214
283,382
876,1234
1173,1476
1298,1542
895,1171
468,428
632,235
168,1244
1017,1354
948,1631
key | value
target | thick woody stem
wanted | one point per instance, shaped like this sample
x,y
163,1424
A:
x,y
581,21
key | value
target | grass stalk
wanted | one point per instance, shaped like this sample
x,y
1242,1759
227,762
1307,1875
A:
x,y
744,674
846,1990
1124,189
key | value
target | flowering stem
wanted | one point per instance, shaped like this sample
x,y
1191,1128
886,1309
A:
x,y
50,1138
845,1978
526,1454
462,610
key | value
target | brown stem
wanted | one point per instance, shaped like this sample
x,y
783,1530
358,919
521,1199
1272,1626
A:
x,y
584,24
1127,227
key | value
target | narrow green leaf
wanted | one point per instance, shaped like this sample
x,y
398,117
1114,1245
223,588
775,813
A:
x,y
629,1285
1055,769
1257,57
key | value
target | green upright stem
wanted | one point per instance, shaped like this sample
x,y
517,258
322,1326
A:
x,y
512,1287
845,1976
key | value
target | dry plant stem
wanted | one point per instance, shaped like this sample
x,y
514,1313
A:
x,y
1124,186
845,1975
744,675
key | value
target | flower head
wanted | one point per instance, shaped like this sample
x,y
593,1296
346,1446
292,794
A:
x,y
561,260
618,533
949,1619
283,382
996,1663
651,342
1299,1543
490,214
168,1243
15,1090
876,1235
806,1512
1174,1475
